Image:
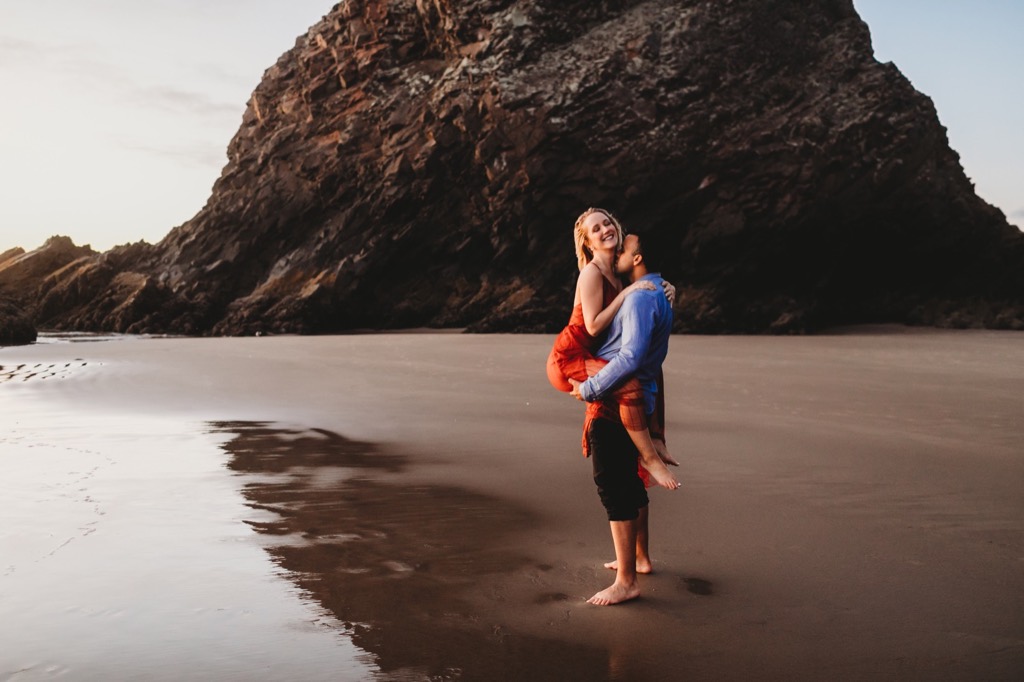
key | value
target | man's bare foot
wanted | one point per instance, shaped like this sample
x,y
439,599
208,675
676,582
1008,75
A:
x,y
661,475
642,566
616,594
662,450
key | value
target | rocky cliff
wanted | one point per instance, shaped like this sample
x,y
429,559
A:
x,y
421,163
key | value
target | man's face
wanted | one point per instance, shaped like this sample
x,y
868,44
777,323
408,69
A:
x,y
624,264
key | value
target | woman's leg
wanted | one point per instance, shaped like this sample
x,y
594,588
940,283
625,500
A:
x,y
656,424
630,399
556,377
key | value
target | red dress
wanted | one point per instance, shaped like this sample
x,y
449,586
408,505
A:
x,y
573,355
574,346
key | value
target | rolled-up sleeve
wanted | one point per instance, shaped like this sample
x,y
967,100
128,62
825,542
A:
x,y
637,325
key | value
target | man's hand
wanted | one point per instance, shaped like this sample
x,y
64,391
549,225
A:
x,y
575,393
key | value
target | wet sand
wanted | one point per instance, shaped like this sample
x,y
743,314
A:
x,y
416,507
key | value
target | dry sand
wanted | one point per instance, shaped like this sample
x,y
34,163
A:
x,y
416,507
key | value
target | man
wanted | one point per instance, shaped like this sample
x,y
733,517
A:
x,y
636,345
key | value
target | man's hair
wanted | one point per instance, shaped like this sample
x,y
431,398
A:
x,y
655,248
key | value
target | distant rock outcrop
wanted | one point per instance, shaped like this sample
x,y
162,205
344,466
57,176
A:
x,y
421,162
21,271
20,275
16,329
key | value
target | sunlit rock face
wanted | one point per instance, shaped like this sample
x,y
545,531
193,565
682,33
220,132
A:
x,y
20,275
421,163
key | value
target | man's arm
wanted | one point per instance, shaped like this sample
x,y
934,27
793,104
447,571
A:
x,y
637,325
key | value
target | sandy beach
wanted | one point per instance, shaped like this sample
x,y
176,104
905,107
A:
x,y
416,507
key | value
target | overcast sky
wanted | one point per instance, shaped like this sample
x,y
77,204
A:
x,y
117,113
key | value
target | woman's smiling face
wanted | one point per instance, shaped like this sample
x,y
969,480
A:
x,y
601,232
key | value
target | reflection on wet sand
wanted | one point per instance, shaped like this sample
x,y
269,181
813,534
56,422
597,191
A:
x,y
402,566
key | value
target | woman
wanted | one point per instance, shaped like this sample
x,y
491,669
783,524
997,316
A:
x,y
599,295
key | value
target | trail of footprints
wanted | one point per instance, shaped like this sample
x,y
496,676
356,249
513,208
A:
x,y
25,371
71,489
42,371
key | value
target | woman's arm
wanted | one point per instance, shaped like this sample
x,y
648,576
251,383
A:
x,y
591,286
638,320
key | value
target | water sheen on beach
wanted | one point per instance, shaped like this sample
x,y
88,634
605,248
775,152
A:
x,y
125,556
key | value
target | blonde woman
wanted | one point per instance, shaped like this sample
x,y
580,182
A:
x,y
599,294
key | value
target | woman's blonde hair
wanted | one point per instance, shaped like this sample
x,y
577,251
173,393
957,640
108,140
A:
x,y
583,253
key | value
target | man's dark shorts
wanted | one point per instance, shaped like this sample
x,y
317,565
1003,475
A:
x,y
615,461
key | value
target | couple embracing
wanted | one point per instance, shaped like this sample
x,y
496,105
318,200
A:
x,y
610,356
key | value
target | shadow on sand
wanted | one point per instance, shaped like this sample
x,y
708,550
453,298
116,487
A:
x,y
402,566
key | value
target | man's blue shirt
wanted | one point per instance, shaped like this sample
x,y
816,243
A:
x,y
636,345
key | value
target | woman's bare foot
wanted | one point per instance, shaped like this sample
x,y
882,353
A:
x,y
662,450
642,566
661,475
616,594
651,460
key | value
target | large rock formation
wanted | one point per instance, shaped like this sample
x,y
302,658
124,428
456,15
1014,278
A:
x,y
422,162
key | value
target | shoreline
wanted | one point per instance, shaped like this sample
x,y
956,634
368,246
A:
x,y
863,329
850,505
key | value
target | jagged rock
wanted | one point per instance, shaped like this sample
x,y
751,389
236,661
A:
x,y
421,162
15,327
103,293
21,271
20,275
10,253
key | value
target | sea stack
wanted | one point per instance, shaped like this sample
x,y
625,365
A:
x,y
421,163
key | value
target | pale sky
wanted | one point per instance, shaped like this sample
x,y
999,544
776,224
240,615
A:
x,y
117,113
968,56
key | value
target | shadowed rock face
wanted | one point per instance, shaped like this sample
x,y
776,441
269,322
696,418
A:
x,y
422,164
15,327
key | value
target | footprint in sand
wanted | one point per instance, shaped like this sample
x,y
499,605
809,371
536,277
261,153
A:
x,y
24,372
698,586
